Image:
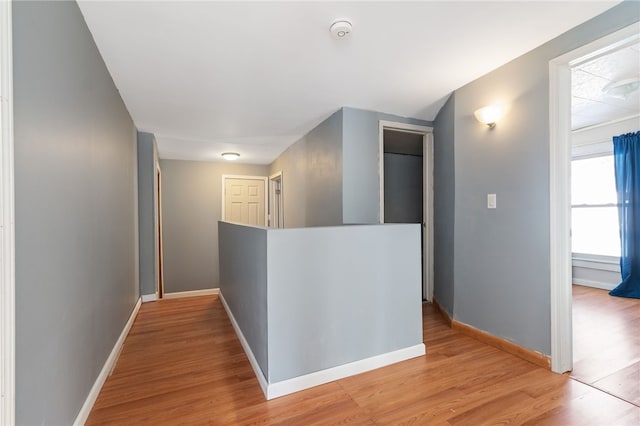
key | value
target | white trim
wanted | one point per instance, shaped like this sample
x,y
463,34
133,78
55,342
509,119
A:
x,y
149,297
262,380
7,224
286,387
598,265
158,246
266,194
594,284
427,140
108,367
559,189
276,176
609,123
192,293
595,141
428,212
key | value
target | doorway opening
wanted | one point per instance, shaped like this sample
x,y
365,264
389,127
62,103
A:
x,y
276,201
406,185
560,154
603,325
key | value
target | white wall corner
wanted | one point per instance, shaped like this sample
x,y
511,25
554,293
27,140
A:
x,y
149,298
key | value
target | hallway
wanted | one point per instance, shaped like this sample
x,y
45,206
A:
x,y
182,364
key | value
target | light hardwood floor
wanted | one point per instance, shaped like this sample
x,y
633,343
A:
x,y
606,342
182,364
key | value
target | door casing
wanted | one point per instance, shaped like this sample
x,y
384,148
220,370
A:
x,y
427,185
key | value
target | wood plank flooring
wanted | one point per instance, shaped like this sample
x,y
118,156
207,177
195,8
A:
x,y
606,342
182,364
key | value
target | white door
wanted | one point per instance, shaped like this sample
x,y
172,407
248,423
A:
x,y
244,201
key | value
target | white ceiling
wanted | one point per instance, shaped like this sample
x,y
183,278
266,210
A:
x,y
590,105
253,77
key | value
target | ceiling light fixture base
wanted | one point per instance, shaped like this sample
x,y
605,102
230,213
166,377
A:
x,y
230,156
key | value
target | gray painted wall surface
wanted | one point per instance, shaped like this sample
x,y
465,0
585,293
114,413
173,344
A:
x,y
191,209
292,162
361,151
402,188
444,205
312,176
341,294
243,283
147,202
76,218
495,291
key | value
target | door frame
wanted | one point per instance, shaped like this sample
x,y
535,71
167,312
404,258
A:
x,y
7,223
272,195
427,197
266,194
159,247
560,189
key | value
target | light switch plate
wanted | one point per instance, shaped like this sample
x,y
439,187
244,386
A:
x,y
491,201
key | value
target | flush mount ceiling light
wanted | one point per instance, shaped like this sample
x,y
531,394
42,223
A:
x,y
621,89
230,156
490,115
341,28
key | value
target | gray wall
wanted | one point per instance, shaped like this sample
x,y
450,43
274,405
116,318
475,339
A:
x,y
243,283
495,290
361,151
76,218
147,204
308,299
331,176
312,176
292,162
191,209
341,294
444,205
402,188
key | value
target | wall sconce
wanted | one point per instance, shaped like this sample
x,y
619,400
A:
x,y
230,156
490,115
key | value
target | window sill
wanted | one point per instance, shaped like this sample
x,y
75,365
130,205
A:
x,y
602,263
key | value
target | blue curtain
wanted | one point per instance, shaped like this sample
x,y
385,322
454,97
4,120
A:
x,y
626,158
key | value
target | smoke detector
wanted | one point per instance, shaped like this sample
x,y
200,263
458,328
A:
x,y
341,28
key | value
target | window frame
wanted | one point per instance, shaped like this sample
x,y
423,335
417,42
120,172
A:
x,y
604,150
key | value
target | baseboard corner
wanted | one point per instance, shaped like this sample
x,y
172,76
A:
x,y
534,357
192,293
443,312
149,298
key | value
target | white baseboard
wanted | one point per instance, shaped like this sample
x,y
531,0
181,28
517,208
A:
x,y
285,387
247,349
178,295
109,364
149,298
594,284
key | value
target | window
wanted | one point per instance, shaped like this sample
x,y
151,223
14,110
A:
x,y
594,211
